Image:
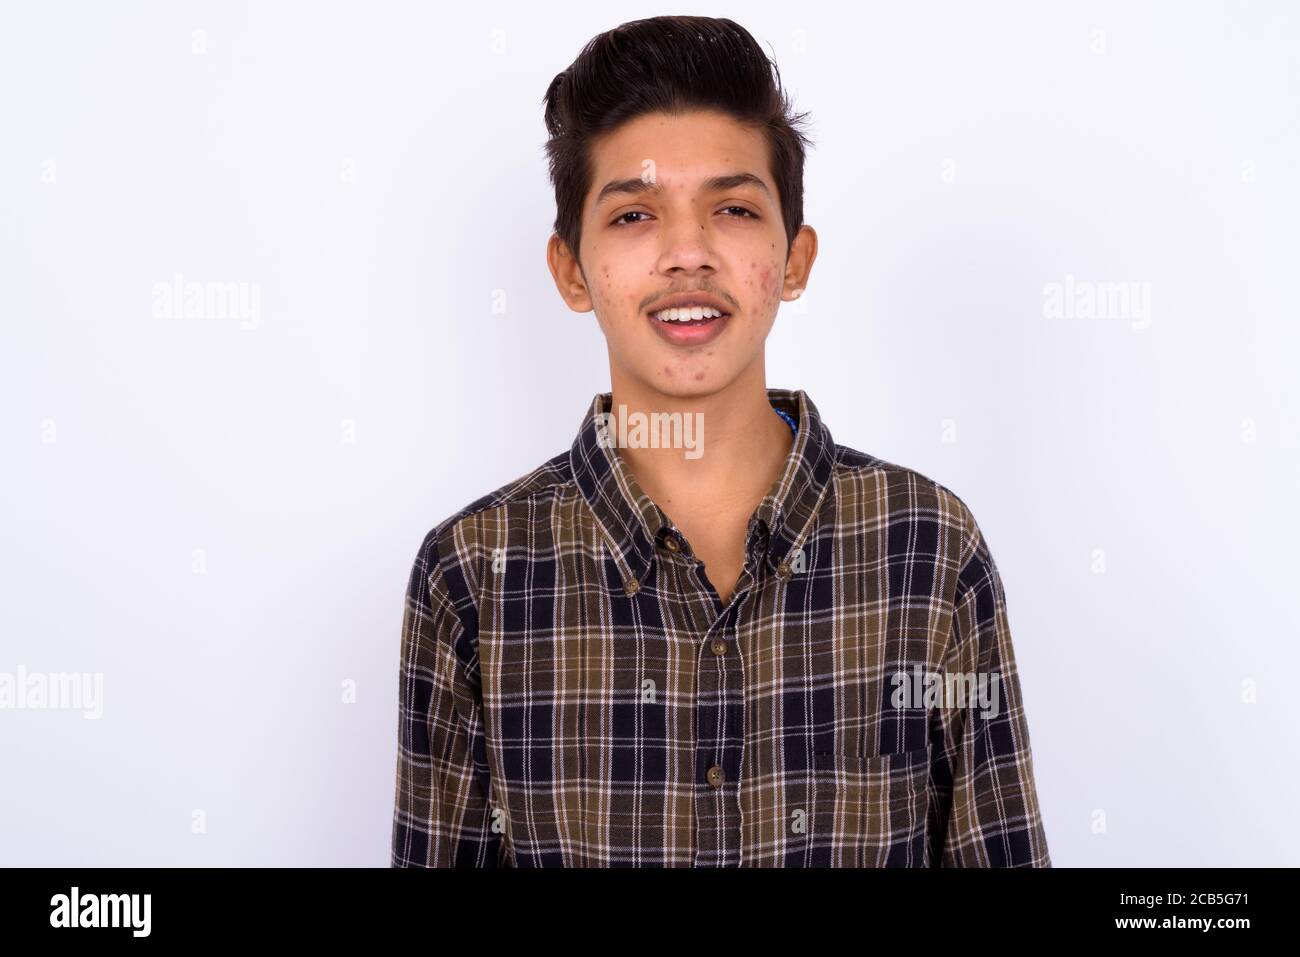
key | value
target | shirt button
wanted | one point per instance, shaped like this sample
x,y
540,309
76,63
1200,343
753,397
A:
x,y
715,776
631,586
670,543
783,570
719,646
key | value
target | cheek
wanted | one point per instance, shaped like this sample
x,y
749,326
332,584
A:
x,y
767,282
618,290
775,283
613,297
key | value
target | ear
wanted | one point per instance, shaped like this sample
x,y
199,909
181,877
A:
x,y
569,277
799,263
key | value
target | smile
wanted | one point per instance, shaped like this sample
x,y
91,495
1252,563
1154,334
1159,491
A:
x,y
693,326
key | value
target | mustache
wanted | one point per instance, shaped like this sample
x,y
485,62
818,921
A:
x,y
702,290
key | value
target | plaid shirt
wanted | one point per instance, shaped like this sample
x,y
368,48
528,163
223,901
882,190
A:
x,y
575,693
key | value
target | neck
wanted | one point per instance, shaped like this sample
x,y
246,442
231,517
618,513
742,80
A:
x,y
741,444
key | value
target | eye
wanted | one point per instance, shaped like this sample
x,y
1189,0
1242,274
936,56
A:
x,y
632,212
623,220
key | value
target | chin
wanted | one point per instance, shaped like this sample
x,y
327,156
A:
x,y
684,384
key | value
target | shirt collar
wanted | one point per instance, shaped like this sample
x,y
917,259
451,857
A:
x,y
635,528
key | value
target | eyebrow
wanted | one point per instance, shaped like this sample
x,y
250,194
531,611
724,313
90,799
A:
x,y
714,184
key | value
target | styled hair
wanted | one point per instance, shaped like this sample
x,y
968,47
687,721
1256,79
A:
x,y
674,65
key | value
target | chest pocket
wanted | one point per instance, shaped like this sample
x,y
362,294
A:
x,y
869,811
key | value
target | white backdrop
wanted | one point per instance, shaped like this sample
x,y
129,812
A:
x,y
213,516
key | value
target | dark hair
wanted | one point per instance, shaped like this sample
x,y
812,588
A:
x,y
673,65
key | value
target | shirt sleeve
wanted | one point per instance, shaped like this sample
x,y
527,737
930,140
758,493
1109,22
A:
x,y
441,817
984,804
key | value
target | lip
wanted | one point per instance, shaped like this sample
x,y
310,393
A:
x,y
688,334
679,299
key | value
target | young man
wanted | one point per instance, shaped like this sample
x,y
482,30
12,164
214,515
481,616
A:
x,y
751,652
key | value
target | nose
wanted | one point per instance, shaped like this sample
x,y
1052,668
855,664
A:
x,y
687,246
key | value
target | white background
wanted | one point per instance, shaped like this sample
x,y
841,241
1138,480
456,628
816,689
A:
x,y
376,170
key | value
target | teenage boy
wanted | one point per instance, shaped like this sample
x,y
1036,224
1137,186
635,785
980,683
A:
x,y
763,649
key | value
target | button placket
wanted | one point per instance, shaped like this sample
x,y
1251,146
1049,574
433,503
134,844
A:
x,y
721,722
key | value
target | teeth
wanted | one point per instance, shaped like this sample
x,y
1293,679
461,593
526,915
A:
x,y
687,314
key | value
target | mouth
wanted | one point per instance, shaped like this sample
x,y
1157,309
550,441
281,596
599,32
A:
x,y
682,328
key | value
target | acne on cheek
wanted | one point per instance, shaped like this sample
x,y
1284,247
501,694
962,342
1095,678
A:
x,y
770,282
775,280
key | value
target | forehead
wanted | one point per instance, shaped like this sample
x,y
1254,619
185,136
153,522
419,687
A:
x,y
684,149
